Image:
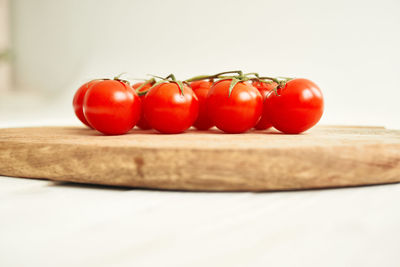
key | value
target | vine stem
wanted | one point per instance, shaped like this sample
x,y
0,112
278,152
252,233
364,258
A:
x,y
150,81
285,78
252,73
270,78
215,76
118,77
235,77
241,77
170,78
198,78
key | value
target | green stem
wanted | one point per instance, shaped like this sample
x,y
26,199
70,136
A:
x,y
239,72
252,73
118,77
155,76
180,85
198,78
227,77
232,85
171,76
270,78
215,76
285,78
150,81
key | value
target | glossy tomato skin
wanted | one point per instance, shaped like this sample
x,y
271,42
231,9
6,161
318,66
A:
x,y
201,89
264,88
77,102
296,107
168,111
238,112
142,123
112,107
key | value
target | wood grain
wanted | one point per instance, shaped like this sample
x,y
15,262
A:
x,y
205,161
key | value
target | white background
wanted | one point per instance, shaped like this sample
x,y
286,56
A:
x,y
349,48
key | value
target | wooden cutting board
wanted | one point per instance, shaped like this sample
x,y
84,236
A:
x,y
210,161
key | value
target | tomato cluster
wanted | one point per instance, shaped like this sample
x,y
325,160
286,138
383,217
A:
x,y
233,104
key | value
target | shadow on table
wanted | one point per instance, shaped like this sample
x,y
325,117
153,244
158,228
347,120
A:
x,y
122,188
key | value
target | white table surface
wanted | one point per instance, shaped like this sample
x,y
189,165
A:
x,y
47,223
44,223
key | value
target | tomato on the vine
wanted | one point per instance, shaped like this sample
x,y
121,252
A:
x,y
112,107
295,107
77,102
168,110
237,112
201,89
264,89
142,123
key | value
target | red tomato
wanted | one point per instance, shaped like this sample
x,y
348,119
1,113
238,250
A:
x,y
201,89
238,112
168,111
77,102
296,107
264,89
142,123
111,107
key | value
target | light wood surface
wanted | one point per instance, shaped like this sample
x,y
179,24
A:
x,y
209,161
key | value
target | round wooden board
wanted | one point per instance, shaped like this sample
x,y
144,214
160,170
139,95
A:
x,y
207,161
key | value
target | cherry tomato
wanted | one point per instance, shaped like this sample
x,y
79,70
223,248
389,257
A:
x,y
111,107
238,112
168,111
201,89
77,102
142,123
264,89
296,107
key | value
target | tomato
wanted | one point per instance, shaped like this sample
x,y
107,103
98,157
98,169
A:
x,y
238,112
296,107
264,89
111,107
168,111
201,89
77,102
142,123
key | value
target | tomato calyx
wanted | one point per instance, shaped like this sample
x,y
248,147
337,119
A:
x,y
118,78
279,81
168,79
